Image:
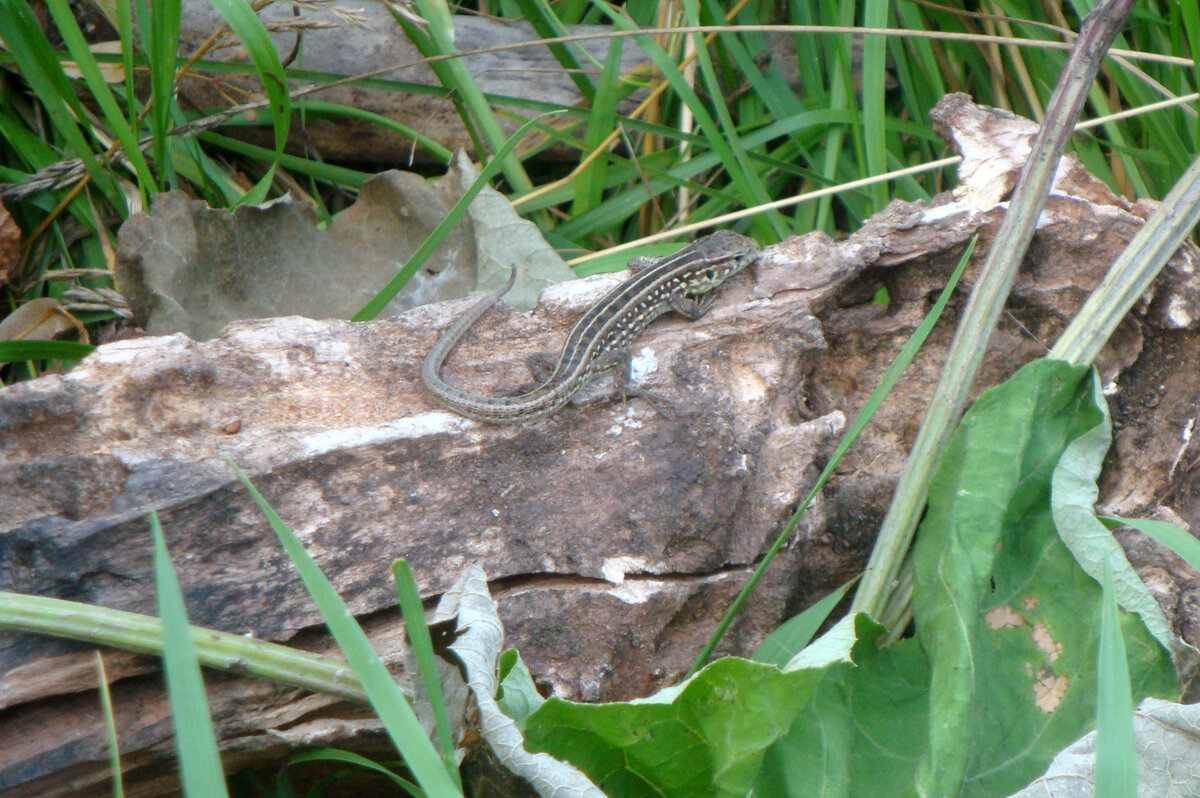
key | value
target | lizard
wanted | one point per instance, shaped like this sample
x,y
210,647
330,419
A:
x,y
600,340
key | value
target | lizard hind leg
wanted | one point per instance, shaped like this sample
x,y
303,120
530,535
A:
x,y
541,366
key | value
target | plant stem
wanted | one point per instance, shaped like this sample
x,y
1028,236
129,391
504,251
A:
x,y
983,309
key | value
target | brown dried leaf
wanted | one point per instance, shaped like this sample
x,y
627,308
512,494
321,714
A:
x,y
40,320
189,268
10,246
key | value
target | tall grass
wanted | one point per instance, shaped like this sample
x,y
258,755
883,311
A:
x,y
717,123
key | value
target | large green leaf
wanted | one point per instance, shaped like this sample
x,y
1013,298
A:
x,y
1073,496
1009,620
704,737
860,731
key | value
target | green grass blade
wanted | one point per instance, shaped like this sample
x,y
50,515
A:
x,y
314,108
195,741
1177,540
920,76
589,187
1116,753
547,25
1190,15
124,11
72,36
385,696
422,646
141,12
874,114
747,187
26,148
259,191
379,302
745,177
420,38
39,66
337,175
162,49
766,84
190,162
455,76
794,634
253,35
623,204
886,383
358,761
839,93
13,351
110,727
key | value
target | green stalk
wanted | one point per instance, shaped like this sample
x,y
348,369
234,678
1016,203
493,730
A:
x,y
142,634
986,303
1134,269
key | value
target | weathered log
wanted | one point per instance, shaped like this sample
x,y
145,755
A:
x,y
512,64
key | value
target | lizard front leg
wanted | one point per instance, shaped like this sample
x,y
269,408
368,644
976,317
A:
x,y
689,307
541,365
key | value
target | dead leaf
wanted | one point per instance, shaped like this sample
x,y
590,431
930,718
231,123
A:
x,y
10,246
40,320
112,72
189,268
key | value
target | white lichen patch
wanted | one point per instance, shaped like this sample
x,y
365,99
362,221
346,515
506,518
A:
x,y
614,568
418,426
